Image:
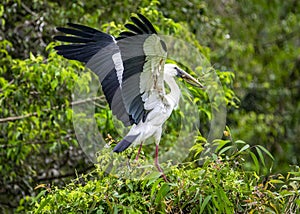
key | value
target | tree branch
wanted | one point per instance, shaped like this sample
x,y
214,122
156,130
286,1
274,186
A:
x,y
37,142
78,102
27,9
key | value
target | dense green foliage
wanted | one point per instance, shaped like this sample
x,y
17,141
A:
x,y
253,46
221,185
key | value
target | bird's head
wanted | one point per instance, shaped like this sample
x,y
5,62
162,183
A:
x,y
174,70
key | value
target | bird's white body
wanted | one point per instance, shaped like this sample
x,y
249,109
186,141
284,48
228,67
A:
x,y
164,105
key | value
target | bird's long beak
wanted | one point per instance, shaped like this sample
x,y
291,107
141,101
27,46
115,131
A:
x,y
188,78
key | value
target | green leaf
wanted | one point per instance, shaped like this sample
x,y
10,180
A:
x,y
69,113
163,191
205,202
43,204
150,178
54,83
265,151
154,188
244,148
254,158
240,142
261,157
225,149
276,181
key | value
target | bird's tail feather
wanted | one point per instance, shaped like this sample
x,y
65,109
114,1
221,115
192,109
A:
x,y
125,143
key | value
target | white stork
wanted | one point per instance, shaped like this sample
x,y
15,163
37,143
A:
x,y
132,72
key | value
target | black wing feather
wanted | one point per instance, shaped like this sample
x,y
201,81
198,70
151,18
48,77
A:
x,y
127,34
73,39
140,24
84,28
134,28
86,42
147,23
75,32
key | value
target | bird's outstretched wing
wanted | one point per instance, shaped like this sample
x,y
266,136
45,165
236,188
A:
x,y
130,67
86,42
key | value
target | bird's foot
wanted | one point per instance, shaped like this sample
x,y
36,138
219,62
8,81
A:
x,y
161,171
157,165
164,177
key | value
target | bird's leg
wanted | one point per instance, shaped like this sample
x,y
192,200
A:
x,y
157,164
157,137
139,151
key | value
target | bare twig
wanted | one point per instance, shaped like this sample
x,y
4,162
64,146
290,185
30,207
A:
x,y
27,9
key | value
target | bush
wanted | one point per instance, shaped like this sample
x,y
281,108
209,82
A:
x,y
221,185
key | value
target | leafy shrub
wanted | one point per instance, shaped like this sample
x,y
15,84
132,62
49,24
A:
x,y
220,185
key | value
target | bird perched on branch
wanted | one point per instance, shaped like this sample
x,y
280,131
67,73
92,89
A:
x,y
132,72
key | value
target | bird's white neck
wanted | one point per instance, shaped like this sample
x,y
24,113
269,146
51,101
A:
x,y
174,95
